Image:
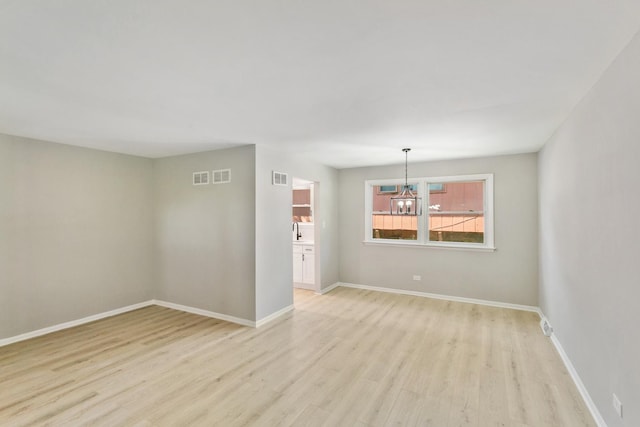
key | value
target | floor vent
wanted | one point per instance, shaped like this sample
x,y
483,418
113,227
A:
x,y
280,178
222,176
201,178
547,330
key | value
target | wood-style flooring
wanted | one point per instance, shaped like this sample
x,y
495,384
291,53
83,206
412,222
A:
x,y
348,358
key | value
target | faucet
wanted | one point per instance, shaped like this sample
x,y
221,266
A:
x,y
296,226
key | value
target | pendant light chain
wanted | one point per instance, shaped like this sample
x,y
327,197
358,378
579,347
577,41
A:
x,y
406,162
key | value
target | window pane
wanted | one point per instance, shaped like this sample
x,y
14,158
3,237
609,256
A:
x,y
456,212
387,226
387,189
301,211
436,188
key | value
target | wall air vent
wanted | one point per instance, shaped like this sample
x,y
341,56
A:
x,y
222,176
201,178
280,178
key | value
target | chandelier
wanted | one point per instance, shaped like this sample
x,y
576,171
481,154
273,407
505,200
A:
x,y
406,203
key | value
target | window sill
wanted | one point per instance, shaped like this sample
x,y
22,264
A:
x,y
448,246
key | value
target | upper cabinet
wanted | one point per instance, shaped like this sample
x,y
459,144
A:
x,y
302,210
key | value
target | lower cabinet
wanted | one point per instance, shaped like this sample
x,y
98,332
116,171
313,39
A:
x,y
303,266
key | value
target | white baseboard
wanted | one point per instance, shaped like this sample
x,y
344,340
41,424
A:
x,y
72,323
578,382
225,317
307,286
273,316
328,289
78,322
563,355
444,297
207,313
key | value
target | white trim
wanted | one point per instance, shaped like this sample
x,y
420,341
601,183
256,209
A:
x,y
187,309
430,179
563,355
444,297
578,382
430,245
200,175
221,173
276,178
72,323
328,289
540,313
207,313
423,220
273,316
489,225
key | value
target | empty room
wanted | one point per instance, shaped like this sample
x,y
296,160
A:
x,y
355,213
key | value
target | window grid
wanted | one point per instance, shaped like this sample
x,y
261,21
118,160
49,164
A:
x,y
464,225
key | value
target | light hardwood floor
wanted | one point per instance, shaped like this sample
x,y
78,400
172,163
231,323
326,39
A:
x,y
348,358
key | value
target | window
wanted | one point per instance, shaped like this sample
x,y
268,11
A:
x,y
302,209
393,189
385,225
436,188
457,212
387,189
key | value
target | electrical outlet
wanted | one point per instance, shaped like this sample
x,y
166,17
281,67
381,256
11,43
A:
x,y
617,405
416,277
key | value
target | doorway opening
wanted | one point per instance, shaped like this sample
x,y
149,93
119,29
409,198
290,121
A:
x,y
305,235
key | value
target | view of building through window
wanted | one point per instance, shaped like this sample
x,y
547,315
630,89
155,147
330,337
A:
x,y
455,213
387,226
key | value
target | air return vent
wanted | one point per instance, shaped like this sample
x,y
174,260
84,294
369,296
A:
x,y
201,178
222,176
280,178
547,330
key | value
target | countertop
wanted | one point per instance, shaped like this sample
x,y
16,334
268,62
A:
x,y
303,242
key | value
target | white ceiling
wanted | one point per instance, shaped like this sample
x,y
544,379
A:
x,y
345,82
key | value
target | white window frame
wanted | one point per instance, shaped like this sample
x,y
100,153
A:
x,y
423,220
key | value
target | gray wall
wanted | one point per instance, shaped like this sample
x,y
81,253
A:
x,y
274,267
510,274
590,239
326,215
85,231
205,235
76,233
274,277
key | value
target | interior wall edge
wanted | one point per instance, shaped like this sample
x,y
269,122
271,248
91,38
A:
x,y
73,323
166,304
206,313
593,409
274,316
489,303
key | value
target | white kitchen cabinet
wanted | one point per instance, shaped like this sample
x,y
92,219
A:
x,y
297,267
308,264
303,266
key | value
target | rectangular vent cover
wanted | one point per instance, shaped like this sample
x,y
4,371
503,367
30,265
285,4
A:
x,y
547,330
222,176
280,178
201,178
